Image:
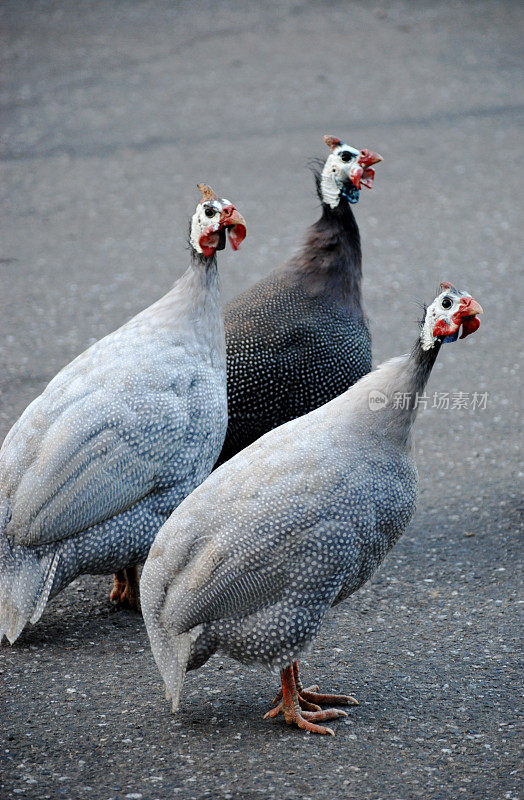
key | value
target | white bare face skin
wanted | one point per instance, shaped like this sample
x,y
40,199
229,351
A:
x,y
336,173
203,218
443,307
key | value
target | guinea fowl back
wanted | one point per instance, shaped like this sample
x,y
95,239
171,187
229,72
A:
x,y
318,352
299,337
118,438
251,562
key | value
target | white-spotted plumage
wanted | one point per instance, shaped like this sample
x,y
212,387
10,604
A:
x,y
250,563
299,337
117,439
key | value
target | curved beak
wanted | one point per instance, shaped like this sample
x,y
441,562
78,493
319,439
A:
x,y
234,225
368,158
362,172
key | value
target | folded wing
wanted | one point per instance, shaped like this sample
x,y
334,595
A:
x,y
93,444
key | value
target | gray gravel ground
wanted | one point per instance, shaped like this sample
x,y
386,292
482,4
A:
x,y
113,111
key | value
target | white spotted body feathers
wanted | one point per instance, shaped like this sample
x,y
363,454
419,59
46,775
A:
x,y
118,438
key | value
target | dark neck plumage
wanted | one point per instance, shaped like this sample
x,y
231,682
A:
x,y
330,260
405,388
421,363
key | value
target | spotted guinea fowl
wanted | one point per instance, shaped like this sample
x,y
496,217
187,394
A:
x,y
119,437
299,337
250,563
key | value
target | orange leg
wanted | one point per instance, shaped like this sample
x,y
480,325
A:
x,y
310,698
125,588
294,707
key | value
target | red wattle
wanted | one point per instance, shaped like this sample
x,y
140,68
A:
x,y
236,235
469,325
356,172
368,177
208,241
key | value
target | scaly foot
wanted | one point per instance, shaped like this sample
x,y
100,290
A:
x,y
310,698
125,588
298,710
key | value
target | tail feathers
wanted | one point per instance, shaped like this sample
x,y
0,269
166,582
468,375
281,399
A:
x,y
50,573
172,654
26,581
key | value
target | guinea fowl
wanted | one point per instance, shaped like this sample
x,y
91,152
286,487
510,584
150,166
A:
x,y
250,563
118,438
299,337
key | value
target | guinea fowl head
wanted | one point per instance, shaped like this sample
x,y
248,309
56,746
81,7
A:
x,y
447,314
346,170
213,219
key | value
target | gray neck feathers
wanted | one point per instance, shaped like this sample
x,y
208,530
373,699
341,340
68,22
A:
x,y
386,399
191,310
204,306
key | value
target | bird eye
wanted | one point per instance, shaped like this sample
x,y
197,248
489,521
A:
x,y
347,156
209,211
447,302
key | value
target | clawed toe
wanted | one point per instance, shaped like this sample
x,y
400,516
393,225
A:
x,y
305,719
305,725
125,589
305,705
323,715
329,699
300,706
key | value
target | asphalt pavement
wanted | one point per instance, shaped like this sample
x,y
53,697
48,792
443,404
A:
x,y
112,113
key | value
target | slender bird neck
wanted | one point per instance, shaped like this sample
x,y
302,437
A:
x,y
203,290
421,363
387,400
330,260
194,298
407,393
201,306
204,269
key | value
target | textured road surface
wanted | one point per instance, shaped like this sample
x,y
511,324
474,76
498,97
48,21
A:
x,y
112,112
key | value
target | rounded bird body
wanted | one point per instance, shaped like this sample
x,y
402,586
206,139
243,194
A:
x,y
302,349
299,337
268,543
118,438
250,563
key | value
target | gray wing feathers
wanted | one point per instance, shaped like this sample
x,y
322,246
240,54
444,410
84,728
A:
x,y
241,585
219,554
93,443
